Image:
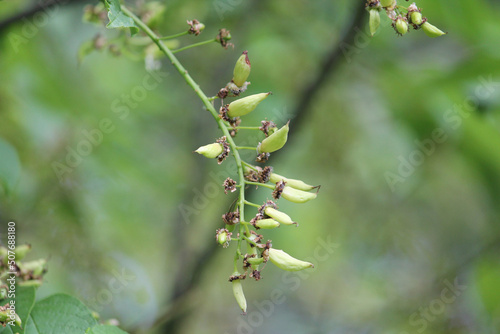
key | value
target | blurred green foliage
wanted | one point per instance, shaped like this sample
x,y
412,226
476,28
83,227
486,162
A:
x,y
115,220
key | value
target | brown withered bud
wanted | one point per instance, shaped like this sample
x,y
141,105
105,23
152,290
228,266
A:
x,y
229,185
266,126
223,37
265,174
279,189
195,27
263,157
255,274
265,252
231,218
235,277
252,175
225,147
222,94
257,239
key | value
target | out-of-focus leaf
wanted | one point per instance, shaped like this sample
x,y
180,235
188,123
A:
x,y
60,313
10,166
105,329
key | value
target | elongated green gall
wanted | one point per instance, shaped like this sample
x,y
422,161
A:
x,y
286,262
275,141
431,30
279,216
297,196
241,70
374,21
210,151
239,295
297,184
245,105
267,223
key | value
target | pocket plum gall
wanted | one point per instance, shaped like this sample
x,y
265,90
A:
x,y
210,151
297,196
275,141
374,21
431,30
241,70
286,262
245,105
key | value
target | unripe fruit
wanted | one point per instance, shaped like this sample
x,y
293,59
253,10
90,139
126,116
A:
x,y
374,21
286,262
211,151
279,216
297,184
431,30
275,141
416,18
241,69
239,295
37,267
387,3
267,224
401,25
245,105
297,196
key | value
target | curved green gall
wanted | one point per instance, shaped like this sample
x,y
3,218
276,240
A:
x,y
279,216
241,69
275,141
297,184
245,105
239,295
431,30
267,223
374,21
286,262
297,196
210,151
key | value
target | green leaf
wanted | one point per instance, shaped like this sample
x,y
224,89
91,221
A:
x,y
59,314
24,301
117,18
10,166
105,329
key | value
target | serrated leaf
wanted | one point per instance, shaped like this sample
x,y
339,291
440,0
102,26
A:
x,y
59,314
105,329
117,18
10,166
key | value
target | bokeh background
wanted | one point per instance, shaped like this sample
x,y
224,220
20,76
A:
x,y
403,134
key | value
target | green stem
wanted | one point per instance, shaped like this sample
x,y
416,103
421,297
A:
x,y
247,128
246,148
208,105
260,184
175,36
194,45
250,166
252,204
213,98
